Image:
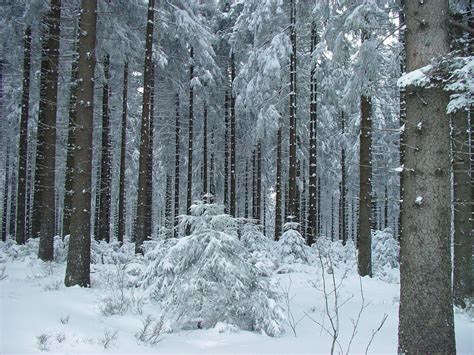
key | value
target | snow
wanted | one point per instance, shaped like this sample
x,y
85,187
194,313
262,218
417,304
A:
x,y
34,301
416,77
418,200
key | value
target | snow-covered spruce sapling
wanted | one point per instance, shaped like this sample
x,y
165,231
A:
x,y
291,247
206,277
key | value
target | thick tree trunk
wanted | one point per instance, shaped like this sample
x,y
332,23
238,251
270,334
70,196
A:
x,y
143,222
177,158
44,196
426,309
104,205
71,136
402,110
278,188
23,146
122,200
233,147
365,189
78,262
149,168
292,160
189,199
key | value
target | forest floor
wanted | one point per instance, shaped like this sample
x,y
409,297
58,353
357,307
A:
x,y
39,314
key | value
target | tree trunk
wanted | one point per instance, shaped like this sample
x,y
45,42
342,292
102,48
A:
x,y
143,222
278,188
233,176
122,200
365,189
258,202
402,110
312,230
343,231
204,158
5,196
104,206
168,199
292,192
177,159
44,196
254,184
212,183
71,136
149,168
426,309
78,262
23,146
226,152
189,199
246,207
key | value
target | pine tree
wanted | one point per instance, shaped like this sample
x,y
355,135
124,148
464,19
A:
x,y
143,222
122,200
78,262
426,308
23,146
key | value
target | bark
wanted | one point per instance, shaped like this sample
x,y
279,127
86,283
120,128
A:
x,y
168,199
246,207
189,199
23,146
212,184
204,158
5,196
122,200
78,262
71,136
143,223
177,158
343,231
258,202
233,148
426,309
319,206
278,188
44,195
149,168
105,180
292,189
365,189
254,184
402,110
226,151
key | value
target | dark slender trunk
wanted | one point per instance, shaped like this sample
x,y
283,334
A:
x,y
143,223
168,202
343,231
385,211
233,148
318,205
78,262
258,202
104,205
177,159
149,168
426,308
226,152
254,184
246,207
44,196
402,110
23,146
278,188
292,188
212,183
365,188
204,158
189,199
122,200
5,195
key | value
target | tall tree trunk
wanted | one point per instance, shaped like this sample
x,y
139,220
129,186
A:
x,y
233,147
204,158
258,202
343,232
292,192
426,309
44,196
313,230
462,257
23,146
278,188
385,212
402,109
246,207
71,136
226,151
254,184
365,189
122,200
149,168
189,199
177,158
78,261
168,199
143,222
5,195
104,205
318,209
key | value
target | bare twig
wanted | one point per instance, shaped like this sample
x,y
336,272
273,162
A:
x,y
374,332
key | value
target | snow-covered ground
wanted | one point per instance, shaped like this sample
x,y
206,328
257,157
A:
x,y
35,305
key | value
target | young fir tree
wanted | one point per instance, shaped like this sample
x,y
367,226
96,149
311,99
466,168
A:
x,y
23,145
78,261
44,194
143,227
426,306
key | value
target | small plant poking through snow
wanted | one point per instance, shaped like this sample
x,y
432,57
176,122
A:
x,y
3,274
151,331
64,319
43,341
109,338
60,337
